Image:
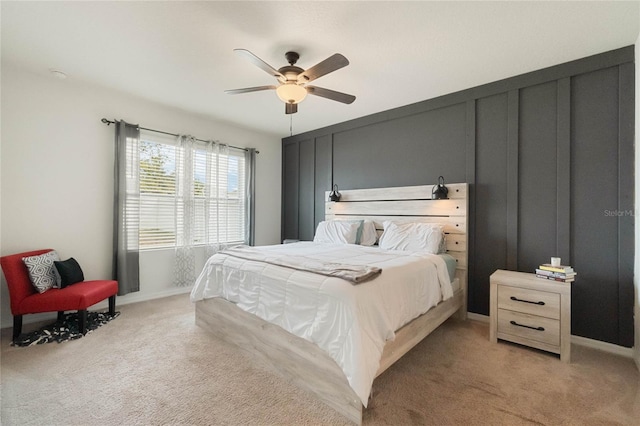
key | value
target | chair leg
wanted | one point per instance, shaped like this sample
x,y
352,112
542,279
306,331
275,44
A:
x,y
17,326
112,305
60,316
82,321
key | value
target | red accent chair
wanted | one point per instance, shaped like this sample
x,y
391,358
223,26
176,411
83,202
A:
x,y
25,299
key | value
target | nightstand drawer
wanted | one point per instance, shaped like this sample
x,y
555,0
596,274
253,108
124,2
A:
x,y
529,301
530,327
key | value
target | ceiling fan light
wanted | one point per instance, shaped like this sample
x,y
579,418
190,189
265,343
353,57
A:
x,y
291,93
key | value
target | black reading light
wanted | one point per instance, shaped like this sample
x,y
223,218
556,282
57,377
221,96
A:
x,y
439,191
335,195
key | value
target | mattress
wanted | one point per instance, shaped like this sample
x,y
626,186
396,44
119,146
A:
x,y
349,322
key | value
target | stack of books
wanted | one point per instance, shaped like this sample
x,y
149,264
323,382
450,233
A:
x,y
560,273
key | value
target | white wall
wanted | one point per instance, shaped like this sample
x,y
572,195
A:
x,y
56,174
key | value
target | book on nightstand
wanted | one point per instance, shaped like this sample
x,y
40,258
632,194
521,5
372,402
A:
x,y
560,273
562,280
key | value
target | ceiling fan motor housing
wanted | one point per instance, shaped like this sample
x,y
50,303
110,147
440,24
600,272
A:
x,y
290,72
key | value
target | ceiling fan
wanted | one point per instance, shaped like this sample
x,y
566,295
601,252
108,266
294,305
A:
x,y
292,87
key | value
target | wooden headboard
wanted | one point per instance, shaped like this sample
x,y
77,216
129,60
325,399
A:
x,y
412,204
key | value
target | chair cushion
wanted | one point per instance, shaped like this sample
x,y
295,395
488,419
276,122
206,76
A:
x,y
72,298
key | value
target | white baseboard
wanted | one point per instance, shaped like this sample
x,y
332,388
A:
x,y
135,297
577,340
636,322
602,346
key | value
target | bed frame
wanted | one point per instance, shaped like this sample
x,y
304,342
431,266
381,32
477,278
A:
x,y
304,363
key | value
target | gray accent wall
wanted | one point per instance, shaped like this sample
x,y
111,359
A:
x,y
550,162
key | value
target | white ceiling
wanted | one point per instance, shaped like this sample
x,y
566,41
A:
x,y
181,53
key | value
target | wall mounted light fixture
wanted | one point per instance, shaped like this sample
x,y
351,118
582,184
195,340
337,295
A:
x,y
335,194
439,191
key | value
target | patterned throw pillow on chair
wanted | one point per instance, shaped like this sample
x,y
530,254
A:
x,y
41,270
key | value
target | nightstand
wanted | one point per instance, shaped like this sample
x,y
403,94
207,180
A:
x,y
531,311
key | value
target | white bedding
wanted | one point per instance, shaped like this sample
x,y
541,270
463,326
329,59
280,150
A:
x,y
350,322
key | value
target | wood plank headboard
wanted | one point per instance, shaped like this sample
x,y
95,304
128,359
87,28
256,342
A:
x,y
412,204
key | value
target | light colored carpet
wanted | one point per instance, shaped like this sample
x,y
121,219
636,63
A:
x,y
153,366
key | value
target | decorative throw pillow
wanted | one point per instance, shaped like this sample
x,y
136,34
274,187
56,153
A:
x,y
69,271
41,270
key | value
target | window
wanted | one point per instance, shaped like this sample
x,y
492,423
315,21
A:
x,y
190,195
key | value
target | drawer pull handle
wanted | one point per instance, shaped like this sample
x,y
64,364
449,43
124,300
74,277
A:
x,y
527,326
541,303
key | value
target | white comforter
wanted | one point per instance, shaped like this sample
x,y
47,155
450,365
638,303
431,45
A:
x,y
350,322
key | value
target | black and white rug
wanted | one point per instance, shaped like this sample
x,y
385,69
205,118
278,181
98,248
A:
x,y
64,330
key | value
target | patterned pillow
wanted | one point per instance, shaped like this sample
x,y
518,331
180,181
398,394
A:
x,y
41,270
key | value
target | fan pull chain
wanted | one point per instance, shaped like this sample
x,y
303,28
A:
x,y
290,124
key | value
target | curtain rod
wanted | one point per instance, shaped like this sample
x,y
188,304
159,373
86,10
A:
x,y
108,122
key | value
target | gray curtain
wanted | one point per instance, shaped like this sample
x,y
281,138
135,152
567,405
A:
x,y
250,222
126,208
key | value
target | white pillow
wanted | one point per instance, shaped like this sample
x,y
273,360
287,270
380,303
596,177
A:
x,y
337,231
369,234
359,222
412,237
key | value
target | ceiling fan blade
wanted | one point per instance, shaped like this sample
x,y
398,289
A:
x,y
260,63
290,108
332,63
249,89
330,94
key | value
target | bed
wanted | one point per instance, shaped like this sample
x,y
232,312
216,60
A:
x,y
371,341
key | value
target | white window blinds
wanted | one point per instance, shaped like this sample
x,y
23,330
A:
x,y
214,175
